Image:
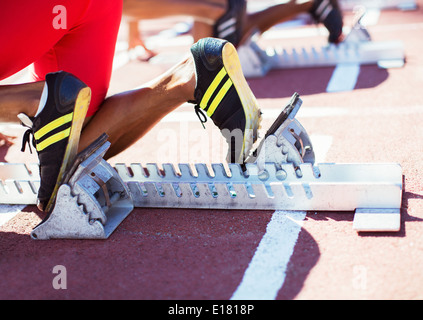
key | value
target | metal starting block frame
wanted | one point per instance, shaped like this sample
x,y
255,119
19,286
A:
x,y
379,4
357,48
373,191
91,203
279,175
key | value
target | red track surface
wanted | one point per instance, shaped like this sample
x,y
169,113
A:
x,y
192,254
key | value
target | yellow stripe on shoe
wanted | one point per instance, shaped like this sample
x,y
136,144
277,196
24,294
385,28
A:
x,y
219,97
212,88
49,128
53,139
53,125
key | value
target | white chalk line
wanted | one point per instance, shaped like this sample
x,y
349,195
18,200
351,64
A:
x,y
266,273
344,77
8,212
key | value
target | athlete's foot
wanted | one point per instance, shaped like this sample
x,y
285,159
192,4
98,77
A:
x,y
329,13
56,129
231,24
223,93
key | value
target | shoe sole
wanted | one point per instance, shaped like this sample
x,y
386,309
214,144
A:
x,y
80,111
248,100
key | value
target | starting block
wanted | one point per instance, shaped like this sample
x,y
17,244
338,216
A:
x,y
91,203
286,141
379,4
357,48
280,174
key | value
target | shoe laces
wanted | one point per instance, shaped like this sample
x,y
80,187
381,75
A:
x,y
27,122
200,114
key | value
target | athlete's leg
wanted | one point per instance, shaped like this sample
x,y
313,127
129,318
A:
x,y
31,33
135,39
201,30
207,11
87,49
81,41
82,59
84,47
324,11
31,28
22,98
214,82
15,99
127,116
204,12
267,18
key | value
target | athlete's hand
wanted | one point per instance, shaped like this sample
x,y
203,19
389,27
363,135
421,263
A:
x,y
6,140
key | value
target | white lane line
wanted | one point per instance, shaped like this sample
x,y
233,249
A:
x,y
371,18
8,212
308,112
266,272
344,77
311,112
321,146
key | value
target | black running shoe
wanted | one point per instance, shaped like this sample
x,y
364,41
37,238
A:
x,y
56,131
329,13
223,93
229,26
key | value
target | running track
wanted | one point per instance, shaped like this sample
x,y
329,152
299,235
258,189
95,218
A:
x,y
226,254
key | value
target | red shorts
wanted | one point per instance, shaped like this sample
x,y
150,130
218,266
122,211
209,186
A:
x,y
77,36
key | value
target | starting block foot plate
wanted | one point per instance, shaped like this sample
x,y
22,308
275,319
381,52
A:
x,y
93,201
377,220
